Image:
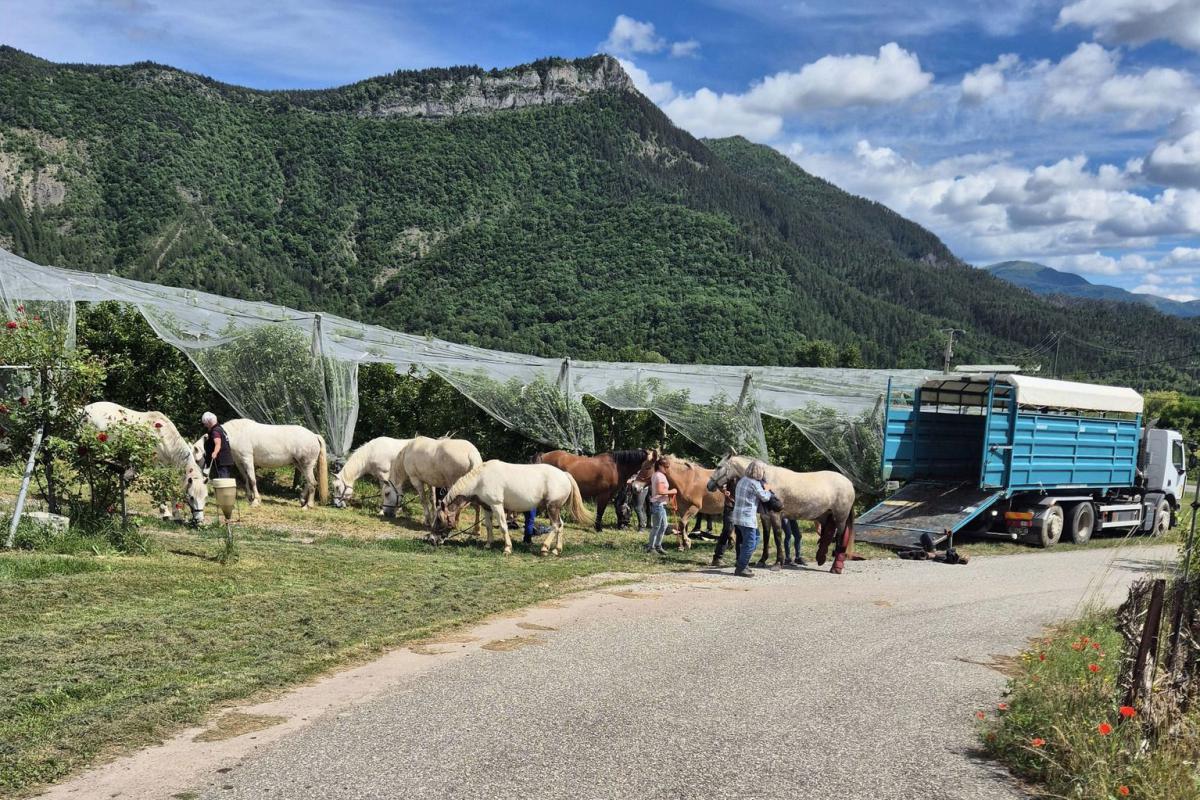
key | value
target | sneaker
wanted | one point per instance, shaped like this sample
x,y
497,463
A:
x,y
744,573
718,562
660,551
648,549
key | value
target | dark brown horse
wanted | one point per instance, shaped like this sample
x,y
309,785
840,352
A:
x,y
599,477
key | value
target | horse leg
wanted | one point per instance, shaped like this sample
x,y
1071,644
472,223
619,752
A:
x,y
246,468
499,511
845,542
556,527
777,530
487,516
419,487
685,516
309,471
824,538
601,504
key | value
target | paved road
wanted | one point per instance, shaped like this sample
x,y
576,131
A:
x,y
803,685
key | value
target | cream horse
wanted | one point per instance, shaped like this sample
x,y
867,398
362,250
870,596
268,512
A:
x,y
257,445
825,497
374,460
171,449
499,487
432,464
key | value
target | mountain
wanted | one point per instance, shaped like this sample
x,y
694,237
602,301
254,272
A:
x,y
548,208
1040,279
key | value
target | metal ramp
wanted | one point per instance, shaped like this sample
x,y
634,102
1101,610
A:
x,y
923,507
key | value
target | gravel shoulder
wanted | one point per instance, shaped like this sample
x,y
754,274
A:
x,y
686,686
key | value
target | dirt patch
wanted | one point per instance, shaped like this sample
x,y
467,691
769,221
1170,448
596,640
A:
x,y
236,724
882,603
533,626
512,643
631,595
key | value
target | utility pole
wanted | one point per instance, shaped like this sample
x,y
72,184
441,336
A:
x,y
948,354
1057,343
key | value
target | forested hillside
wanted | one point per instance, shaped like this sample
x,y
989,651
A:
x,y
548,209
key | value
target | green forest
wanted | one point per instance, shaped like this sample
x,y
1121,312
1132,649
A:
x,y
592,228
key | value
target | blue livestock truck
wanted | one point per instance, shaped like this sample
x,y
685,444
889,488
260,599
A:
x,y
1026,458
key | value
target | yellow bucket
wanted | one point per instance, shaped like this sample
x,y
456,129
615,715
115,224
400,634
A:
x,y
226,489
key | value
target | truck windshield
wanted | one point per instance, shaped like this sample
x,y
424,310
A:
x,y
1177,456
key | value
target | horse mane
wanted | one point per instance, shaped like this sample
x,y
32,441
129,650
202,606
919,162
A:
x,y
628,457
459,486
352,468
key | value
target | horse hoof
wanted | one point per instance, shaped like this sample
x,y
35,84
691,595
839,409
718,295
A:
x,y
508,551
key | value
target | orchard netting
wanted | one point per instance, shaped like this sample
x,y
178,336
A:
x,y
277,365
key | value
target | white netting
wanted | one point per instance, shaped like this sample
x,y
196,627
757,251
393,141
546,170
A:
x,y
278,365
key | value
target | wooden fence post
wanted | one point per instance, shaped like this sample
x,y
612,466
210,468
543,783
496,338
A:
x,y
1147,652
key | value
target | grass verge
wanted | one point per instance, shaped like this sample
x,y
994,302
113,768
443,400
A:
x,y
1061,724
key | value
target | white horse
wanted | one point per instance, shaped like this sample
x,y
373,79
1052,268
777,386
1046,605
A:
x,y
432,463
374,460
499,487
825,497
257,445
171,449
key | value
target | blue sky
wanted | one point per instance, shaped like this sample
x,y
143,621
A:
x,y
1063,131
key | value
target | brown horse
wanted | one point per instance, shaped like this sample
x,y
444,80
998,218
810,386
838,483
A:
x,y
599,477
690,480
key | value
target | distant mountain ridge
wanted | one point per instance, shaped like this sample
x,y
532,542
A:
x,y
1040,279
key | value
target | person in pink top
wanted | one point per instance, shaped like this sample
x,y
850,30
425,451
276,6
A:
x,y
660,495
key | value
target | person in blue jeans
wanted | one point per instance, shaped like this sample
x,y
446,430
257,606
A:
x,y
791,533
660,495
751,490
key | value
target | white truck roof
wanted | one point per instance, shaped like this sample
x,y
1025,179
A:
x,y
968,389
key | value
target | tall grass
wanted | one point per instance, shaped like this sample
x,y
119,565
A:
x,y
1061,724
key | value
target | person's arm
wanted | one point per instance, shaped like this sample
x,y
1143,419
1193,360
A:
x,y
761,490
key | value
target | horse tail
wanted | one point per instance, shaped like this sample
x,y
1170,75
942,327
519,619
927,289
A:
x,y
578,510
322,473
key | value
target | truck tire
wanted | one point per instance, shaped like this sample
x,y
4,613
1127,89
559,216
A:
x,y
1162,518
1081,521
1050,530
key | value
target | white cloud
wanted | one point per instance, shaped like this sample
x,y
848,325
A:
x,y
1096,263
706,113
988,80
1087,83
1137,21
688,47
1175,159
658,91
630,36
838,81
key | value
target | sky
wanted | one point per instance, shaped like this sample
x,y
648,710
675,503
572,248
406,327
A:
x,y
1060,131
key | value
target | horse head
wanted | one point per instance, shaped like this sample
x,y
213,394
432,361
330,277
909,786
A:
x,y
195,490
342,491
445,518
726,470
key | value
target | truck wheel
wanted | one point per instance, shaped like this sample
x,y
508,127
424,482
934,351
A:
x,y
1162,518
1081,522
1050,531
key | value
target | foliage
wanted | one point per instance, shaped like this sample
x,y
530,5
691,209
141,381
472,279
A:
x,y
1062,726
592,229
1177,412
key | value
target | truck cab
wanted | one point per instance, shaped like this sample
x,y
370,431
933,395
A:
x,y
1023,457
1165,468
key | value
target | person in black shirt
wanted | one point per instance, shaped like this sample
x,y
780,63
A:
x,y
217,452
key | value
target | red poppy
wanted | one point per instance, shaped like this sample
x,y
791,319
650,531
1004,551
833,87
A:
x,y
1104,728
979,715
82,450
1038,742
1123,790
1077,646
11,325
1002,706
1093,667
23,400
102,437
1095,645
1084,639
179,506
111,509
36,318
1041,656
1128,712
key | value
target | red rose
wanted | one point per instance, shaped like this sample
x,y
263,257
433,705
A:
x,y
102,437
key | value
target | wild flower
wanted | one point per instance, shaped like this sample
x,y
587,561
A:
x,y
1104,728
1128,712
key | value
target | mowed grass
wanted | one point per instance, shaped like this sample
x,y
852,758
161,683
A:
x,y
101,653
